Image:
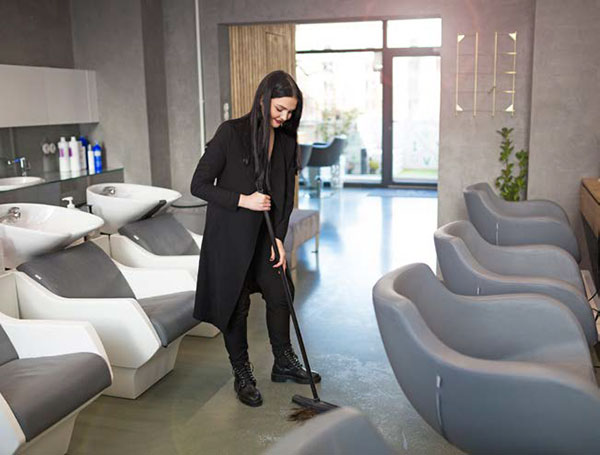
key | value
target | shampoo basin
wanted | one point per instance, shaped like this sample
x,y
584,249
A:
x,y
10,183
41,229
122,203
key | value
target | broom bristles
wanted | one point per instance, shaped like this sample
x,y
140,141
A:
x,y
301,414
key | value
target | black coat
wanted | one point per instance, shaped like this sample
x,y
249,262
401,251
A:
x,y
231,232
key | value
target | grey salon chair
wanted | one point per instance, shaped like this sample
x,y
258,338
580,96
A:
x,y
472,266
343,431
507,223
485,372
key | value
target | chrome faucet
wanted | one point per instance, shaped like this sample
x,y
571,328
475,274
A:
x,y
108,191
22,161
12,216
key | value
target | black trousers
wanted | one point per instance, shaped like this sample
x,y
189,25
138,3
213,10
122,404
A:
x,y
262,273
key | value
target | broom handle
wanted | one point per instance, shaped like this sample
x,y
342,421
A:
x,y
288,294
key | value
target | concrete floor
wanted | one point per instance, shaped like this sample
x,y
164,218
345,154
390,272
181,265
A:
x,y
193,410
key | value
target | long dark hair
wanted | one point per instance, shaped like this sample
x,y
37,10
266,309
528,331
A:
x,y
277,84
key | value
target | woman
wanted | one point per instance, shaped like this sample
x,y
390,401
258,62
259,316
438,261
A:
x,y
256,151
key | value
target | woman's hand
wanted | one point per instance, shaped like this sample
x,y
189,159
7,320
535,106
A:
x,y
256,201
282,260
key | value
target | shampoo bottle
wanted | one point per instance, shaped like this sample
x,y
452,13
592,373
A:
x,y
97,158
82,159
74,154
90,160
64,164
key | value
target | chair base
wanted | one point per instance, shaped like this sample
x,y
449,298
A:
x,y
204,329
132,382
56,439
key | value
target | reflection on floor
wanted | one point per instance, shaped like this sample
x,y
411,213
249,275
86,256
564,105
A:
x,y
193,410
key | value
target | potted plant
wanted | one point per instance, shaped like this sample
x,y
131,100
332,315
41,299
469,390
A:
x,y
512,187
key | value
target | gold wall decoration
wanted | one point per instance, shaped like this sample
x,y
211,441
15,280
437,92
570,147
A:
x,y
485,81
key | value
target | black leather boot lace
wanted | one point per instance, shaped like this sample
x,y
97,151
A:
x,y
245,374
292,358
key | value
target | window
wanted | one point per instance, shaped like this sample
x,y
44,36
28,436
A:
x,y
414,33
339,36
344,69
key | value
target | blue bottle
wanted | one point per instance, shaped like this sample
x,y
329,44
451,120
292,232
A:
x,y
97,158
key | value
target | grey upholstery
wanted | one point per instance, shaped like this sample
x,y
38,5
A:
x,y
171,315
82,271
41,391
303,225
305,152
471,266
162,235
485,372
519,223
85,271
7,350
328,154
343,431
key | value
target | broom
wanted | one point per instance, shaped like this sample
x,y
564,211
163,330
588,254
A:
x,y
307,407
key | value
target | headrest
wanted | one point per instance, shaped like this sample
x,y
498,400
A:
x,y
162,235
82,271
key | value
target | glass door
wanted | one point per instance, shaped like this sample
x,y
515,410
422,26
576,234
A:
x,y
343,97
415,118
377,84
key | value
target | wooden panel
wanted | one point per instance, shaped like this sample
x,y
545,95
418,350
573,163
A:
x,y
590,203
255,51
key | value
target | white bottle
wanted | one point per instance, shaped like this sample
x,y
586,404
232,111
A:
x,y
90,160
74,154
64,163
69,200
81,156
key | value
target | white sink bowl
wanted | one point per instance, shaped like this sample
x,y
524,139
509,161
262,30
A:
x,y
10,183
41,229
129,203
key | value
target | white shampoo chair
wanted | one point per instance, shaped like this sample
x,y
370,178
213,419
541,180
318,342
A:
x,y
140,315
49,372
160,242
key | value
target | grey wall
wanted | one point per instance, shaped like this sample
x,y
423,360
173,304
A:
x,y
156,92
182,90
565,115
468,146
108,38
37,34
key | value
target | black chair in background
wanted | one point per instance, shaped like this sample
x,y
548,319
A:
x,y
305,152
326,155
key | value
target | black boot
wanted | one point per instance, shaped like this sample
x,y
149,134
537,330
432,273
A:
x,y
245,385
287,367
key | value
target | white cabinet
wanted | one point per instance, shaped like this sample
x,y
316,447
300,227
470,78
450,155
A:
x,y
31,95
22,97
